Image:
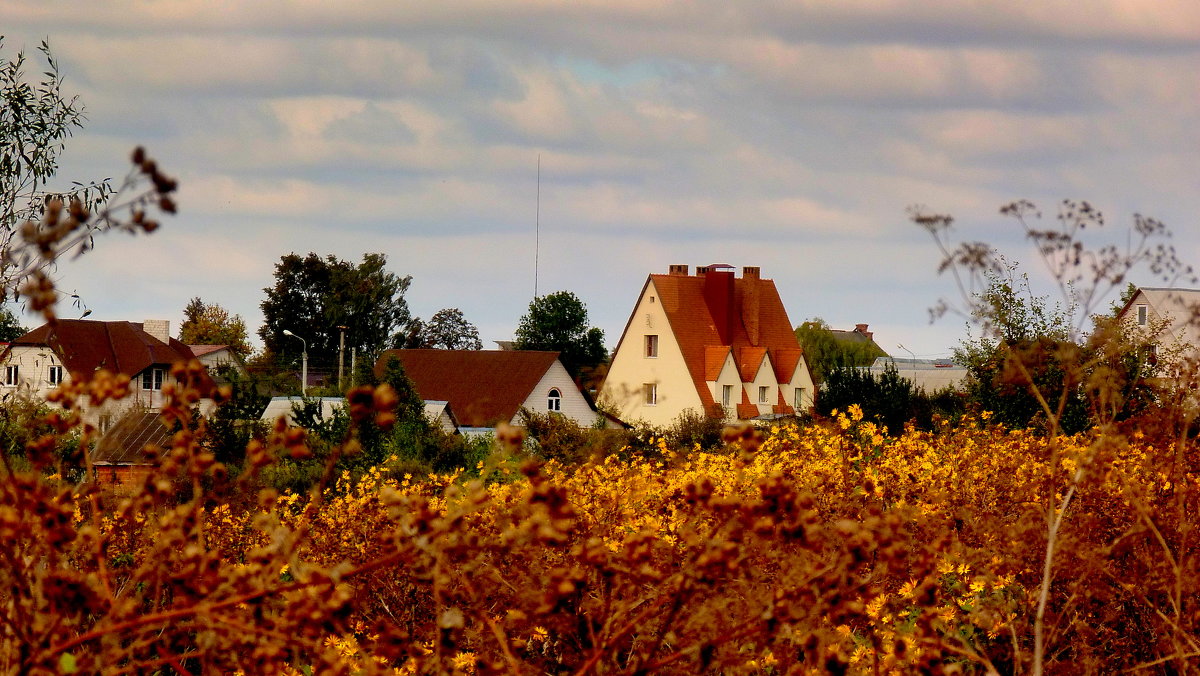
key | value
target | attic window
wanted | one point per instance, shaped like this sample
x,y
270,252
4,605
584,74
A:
x,y
554,400
651,299
651,346
763,392
152,379
1142,314
726,395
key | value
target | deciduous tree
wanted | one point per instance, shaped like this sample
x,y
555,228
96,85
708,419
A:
x,y
559,322
825,353
314,296
447,329
211,324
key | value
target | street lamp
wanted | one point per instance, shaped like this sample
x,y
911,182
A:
x,y
303,363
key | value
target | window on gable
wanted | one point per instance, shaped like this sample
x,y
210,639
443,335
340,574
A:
x,y
799,398
763,392
56,375
1143,314
650,393
651,346
12,375
152,379
726,395
554,400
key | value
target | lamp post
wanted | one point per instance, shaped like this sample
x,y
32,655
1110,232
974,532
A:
x,y
303,363
912,363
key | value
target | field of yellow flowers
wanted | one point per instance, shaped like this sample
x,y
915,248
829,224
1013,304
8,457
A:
x,y
794,550
833,547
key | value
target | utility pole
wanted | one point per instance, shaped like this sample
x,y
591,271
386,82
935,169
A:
x,y
341,357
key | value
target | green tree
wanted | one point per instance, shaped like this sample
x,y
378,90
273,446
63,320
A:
x,y
1025,357
559,322
447,329
314,296
36,119
825,353
211,324
10,326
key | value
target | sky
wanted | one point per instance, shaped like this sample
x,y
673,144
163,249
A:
x,y
792,136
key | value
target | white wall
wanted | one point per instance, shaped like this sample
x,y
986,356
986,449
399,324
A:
x,y
631,368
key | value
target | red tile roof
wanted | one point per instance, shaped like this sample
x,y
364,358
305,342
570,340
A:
x,y
483,386
84,346
201,350
713,310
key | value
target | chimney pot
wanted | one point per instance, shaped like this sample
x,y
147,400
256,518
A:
x,y
750,272
679,270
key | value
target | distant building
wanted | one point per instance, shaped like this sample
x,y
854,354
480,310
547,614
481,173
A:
x,y
486,387
711,343
930,375
1168,319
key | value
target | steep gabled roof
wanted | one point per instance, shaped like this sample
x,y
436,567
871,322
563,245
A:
x,y
713,310
84,346
748,362
483,386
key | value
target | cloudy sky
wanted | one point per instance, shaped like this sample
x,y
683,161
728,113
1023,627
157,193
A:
x,y
788,135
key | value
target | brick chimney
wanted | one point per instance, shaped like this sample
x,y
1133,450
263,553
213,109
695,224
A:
x,y
159,328
678,270
719,296
750,303
862,328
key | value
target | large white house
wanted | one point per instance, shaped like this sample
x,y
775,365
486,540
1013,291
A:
x,y
75,349
712,343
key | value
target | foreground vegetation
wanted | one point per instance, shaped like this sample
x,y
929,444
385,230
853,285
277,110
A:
x,y
833,547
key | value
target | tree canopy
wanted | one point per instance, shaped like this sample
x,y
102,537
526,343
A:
x,y
10,326
314,296
36,119
825,353
559,322
211,324
447,329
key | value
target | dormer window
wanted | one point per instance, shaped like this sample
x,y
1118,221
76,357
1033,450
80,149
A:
x,y
764,394
554,400
152,379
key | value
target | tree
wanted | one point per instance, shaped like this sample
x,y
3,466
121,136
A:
x,y
559,322
35,121
10,326
1027,353
314,297
211,324
39,225
825,353
446,330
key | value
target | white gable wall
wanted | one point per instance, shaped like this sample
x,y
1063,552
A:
x,y
631,369
801,379
572,403
729,376
764,377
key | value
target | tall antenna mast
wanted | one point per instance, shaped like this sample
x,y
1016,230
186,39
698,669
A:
x,y
537,225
